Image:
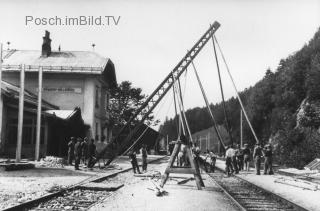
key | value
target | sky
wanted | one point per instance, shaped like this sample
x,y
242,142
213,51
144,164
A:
x,y
151,37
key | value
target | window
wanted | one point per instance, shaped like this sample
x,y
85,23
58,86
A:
x,y
97,97
107,100
29,131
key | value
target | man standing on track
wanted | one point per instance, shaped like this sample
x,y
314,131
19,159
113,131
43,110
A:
x,y
257,154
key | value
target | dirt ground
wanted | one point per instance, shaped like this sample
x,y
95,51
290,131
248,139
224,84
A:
x,y
137,194
23,185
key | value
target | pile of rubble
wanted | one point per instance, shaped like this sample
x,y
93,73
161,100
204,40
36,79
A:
x,y
51,161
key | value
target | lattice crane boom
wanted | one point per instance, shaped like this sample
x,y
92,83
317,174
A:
x,y
152,101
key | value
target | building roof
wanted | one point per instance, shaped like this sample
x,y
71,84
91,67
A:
x,y
13,91
65,60
83,62
62,114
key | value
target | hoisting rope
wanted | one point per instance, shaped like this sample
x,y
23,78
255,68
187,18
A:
x,y
208,106
222,95
234,86
181,106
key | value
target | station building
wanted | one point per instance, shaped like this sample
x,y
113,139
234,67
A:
x,y
71,79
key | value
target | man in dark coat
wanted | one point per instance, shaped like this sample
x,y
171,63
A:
x,y
257,154
134,162
268,159
84,150
77,153
246,157
71,150
91,152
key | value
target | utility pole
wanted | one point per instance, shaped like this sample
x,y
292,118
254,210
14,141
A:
x,y
37,151
1,100
20,117
208,141
241,134
167,146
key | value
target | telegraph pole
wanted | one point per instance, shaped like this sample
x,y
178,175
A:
x,y
20,117
241,134
37,151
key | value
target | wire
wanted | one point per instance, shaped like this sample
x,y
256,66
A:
x,y
207,104
234,86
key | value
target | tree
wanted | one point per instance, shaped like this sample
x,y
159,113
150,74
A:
x,y
124,102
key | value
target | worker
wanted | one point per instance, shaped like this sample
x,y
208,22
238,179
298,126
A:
x,y
257,154
71,150
84,151
246,157
134,162
144,157
91,152
229,155
77,153
213,159
267,153
196,155
240,157
234,160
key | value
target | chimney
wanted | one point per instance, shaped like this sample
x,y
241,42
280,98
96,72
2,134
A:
x,y
46,45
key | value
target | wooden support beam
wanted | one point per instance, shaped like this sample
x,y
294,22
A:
x,y
37,150
180,170
20,115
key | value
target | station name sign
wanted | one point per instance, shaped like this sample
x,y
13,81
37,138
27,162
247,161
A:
x,y
63,89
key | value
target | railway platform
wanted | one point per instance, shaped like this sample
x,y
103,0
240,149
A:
x,y
301,192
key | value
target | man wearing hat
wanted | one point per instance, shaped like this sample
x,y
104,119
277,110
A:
x,y
77,153
246,157
71,150
268,159
257,154
229,155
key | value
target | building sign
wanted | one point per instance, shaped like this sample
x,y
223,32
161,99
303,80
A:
x,y
63,89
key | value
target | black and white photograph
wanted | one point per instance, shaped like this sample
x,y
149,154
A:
x,y
160,105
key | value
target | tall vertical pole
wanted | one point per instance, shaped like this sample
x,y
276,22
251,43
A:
x,y
241,133
37,151
20,117
167,146
208,142
1,100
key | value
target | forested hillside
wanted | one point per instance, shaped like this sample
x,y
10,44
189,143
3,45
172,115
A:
x,y
283,107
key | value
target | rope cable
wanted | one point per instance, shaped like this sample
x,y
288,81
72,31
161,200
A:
x,y
234,86
222,94
208,106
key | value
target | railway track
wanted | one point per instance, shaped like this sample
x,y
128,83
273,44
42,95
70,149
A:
x,y
250,197
77,197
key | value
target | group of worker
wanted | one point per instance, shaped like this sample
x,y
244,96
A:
x,y
238,159
81,150
133,159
